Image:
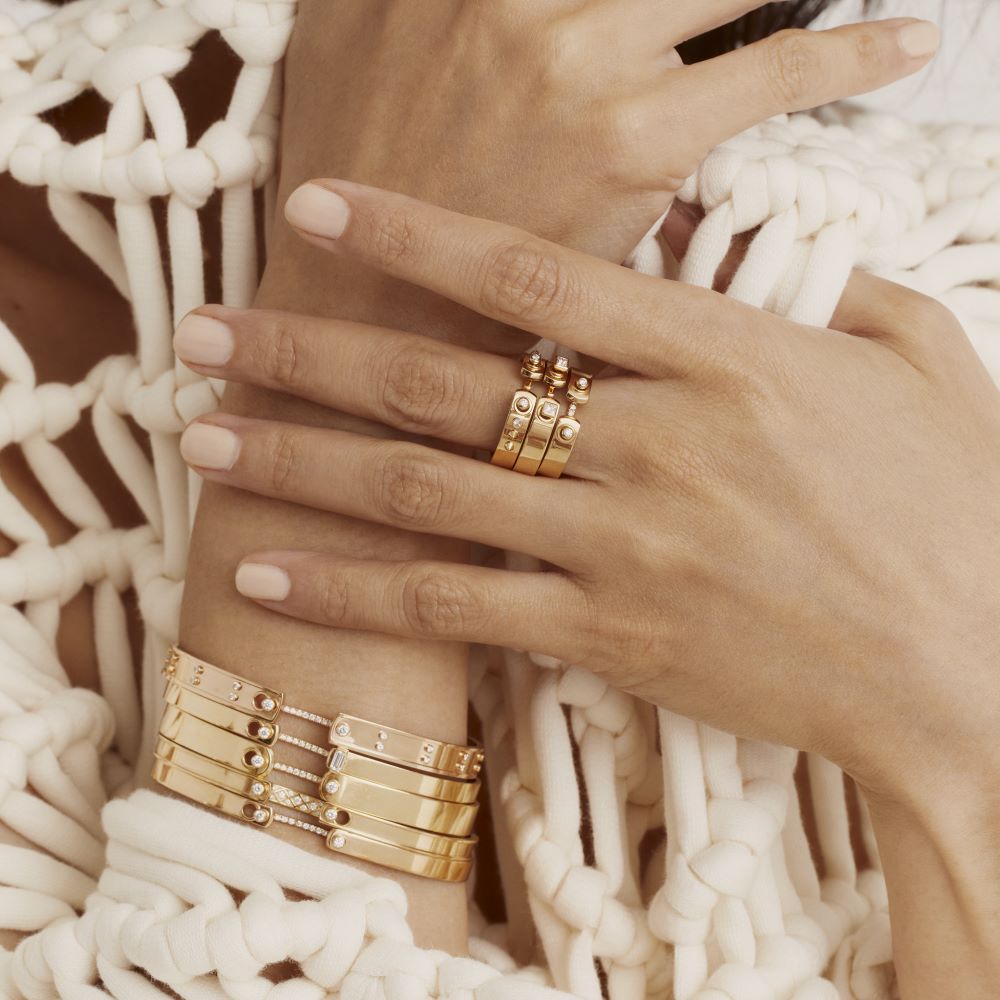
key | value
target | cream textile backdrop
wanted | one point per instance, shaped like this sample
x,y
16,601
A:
x,y
138,899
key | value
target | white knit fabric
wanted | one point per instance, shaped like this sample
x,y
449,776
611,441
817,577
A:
x,y
147,897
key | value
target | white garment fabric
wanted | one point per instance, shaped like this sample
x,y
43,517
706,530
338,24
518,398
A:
x,y
962,83
641,854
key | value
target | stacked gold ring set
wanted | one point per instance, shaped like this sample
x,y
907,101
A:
x,y
377,794
536,439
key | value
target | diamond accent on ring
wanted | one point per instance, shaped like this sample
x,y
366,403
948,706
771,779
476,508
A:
x,y
257,788
566,433
332,787
267,704
523,405
338,841
343,729
549,409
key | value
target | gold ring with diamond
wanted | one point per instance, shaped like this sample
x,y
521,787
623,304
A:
x,y
519,415
543,420
567,428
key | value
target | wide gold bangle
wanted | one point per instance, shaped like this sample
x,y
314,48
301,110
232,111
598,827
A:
x,y
455,819
390,856
226,748
343,760
198,790
381,794
389,744
249,786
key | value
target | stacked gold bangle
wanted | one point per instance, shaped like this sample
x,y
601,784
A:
x,y
536,439
380,795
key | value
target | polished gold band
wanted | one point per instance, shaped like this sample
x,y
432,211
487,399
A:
x,y
227,748
198,790
222,686
249,786
342,760
567,428
434,866
225,717
390,744
387,796
455,819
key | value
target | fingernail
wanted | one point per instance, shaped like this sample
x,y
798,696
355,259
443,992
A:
x,y
919,38
209,446
317,210
203,340
262,582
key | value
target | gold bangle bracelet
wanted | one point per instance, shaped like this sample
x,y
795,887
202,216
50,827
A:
x,y
372,826
405,836
200,791
248,785
378,852
223,716
222,686
396,746
451,818
344,760
224,747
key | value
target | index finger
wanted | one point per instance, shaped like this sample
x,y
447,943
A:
x,y
640,323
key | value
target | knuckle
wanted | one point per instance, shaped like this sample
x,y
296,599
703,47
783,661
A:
x,y
283,459
436,603
278,355
411,490
332,598
420,387
867,56
391,234
791,64
524,282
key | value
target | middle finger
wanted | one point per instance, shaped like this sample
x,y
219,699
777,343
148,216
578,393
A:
x,y
397,483
403,380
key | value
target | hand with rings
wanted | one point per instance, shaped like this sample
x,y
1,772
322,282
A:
x,y
765,526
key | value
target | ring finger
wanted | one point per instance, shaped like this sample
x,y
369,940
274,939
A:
x,y
397,483
402,380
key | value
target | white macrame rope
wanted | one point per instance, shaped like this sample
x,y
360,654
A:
x,y
640,854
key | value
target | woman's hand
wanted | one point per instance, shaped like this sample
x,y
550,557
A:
x,y
769,527
572,117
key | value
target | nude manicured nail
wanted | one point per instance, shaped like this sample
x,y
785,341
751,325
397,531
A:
x,y
262,582
919,38
203,340
209,447
317,210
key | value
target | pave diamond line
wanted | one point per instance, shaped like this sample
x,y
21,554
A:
x,y
297,771
294,821
298,801
305,744
301,713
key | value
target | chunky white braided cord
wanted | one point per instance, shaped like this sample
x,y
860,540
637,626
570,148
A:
x,y
728,906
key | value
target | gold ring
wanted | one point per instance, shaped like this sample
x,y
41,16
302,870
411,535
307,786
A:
x,y
543,421
567,428
519,415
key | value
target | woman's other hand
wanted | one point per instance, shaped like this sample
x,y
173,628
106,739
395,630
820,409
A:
x,y
573,118
769,527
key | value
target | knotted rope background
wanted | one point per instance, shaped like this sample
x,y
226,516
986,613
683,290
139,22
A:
x,y
641,854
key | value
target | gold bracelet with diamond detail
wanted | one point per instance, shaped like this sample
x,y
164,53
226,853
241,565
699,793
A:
x,y
383,795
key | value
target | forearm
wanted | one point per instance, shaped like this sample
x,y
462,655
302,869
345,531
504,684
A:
x,y
942,869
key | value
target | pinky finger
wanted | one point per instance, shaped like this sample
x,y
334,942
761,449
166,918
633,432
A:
x,y
540,611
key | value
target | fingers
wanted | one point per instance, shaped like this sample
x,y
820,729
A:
x,y
402,380
423,599
914,326
793,70
503,273
396,483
